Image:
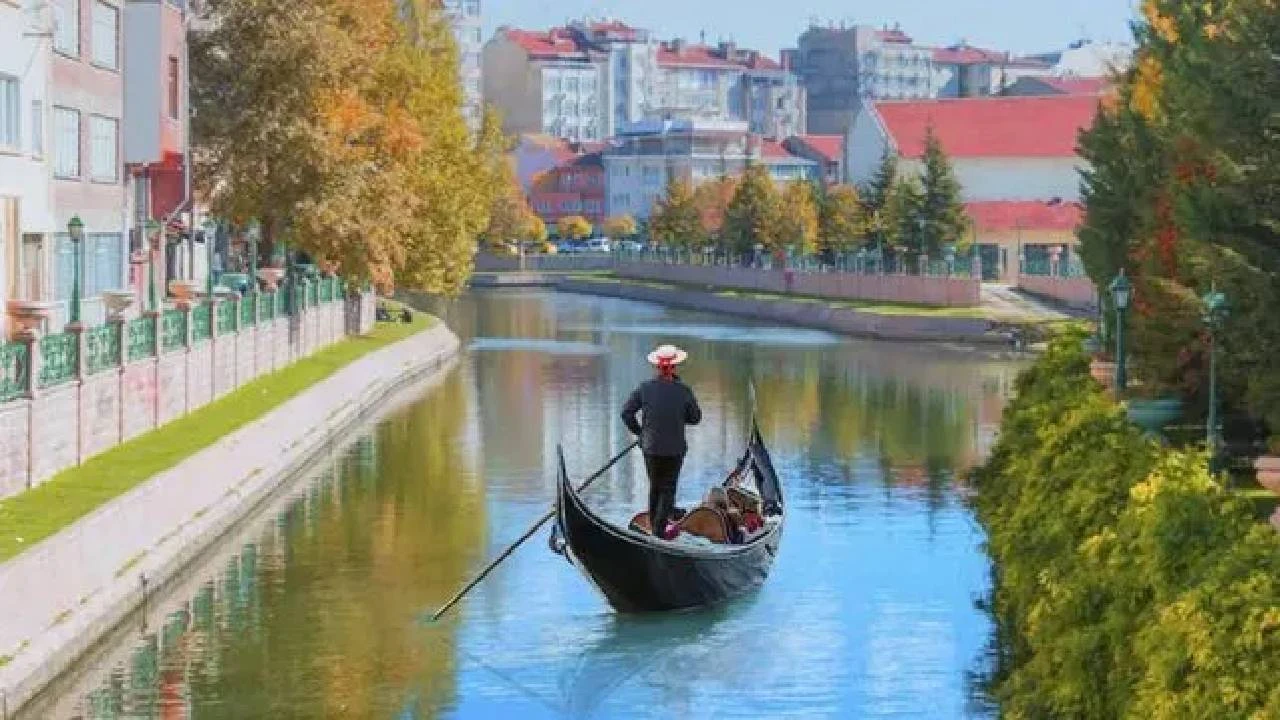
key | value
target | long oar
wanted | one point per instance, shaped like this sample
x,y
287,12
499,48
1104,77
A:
x,y
536,526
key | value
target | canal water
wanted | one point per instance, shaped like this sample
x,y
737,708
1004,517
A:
x,y
318,606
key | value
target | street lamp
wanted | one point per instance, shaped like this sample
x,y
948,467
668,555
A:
x,y
152,228
1215,311
75,229
1121,292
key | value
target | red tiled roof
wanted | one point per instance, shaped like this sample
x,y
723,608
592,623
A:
x,y
1045,126
773,150
709,57
893,36
830,147
968,55
1026,215
553,44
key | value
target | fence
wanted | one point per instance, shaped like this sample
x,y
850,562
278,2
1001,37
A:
x,y
65,397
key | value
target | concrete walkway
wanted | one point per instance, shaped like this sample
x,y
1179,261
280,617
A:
x,y
1008,303
63,594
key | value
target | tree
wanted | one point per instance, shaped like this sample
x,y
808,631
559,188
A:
x,y
798,225
674,221
943,213
755,214
876,192
509,212
843,221
712,199
535,228
620,226
347,142
900,217
574,227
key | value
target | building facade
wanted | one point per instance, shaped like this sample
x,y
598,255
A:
x,y
826,150
575,187
1015,159
842,66
639,163
966,71
467,21
585,81
26,202
87,109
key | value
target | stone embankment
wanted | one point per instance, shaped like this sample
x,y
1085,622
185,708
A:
x,y
58,598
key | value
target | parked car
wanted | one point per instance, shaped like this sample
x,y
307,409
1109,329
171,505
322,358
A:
x,y
599,245
631,246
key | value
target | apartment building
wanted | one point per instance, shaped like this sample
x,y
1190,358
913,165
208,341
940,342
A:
x,y
467,21
638,164
574,187
26,203
87,107
586,80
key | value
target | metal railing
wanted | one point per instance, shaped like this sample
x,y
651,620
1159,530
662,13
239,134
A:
x,y
15,370
227,318
59,357
141,339
102,348
201,322
173,330
853,263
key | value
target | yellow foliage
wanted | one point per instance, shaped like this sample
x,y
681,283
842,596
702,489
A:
x,y
1147,88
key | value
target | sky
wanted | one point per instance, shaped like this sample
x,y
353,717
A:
x,y
1020,26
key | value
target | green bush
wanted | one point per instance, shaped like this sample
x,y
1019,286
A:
x,y
1127,583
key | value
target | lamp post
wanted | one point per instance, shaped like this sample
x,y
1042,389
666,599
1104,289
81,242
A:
x,y
1215,311
75,229
209,242
1121,292
153,242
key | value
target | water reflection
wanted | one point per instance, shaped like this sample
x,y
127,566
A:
x,y
317,610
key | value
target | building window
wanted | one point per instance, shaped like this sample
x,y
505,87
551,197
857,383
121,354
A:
x,y
473,7
10,132
103,257
173,88
66,143
66,26
106,35
104,141
37,128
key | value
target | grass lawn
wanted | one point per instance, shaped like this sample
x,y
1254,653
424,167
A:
x,y
30,517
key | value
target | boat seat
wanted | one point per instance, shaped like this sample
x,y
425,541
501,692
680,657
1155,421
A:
x,y
708,523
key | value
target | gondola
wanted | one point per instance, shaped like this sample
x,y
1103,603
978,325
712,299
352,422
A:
x,y
639,573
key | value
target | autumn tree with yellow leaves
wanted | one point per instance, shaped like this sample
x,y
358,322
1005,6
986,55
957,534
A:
x,y
337,125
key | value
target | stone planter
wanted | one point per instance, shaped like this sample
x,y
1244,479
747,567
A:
x,y
1153,415
118,302
28,316
1268,470
1104,372
270,277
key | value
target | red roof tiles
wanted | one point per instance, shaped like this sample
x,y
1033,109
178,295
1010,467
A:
x,y
1000,216
1077,85
830,147
1045,126
703,56
968,55
554,44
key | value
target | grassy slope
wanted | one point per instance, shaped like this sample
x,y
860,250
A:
x,y
32,516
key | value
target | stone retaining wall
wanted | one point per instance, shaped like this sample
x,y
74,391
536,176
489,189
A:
x,y
806,314
61,427
1077,292
59,597
957,291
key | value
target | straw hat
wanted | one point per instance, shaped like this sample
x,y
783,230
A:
x,y
667,354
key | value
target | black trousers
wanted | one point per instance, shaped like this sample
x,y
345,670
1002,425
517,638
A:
x,y
664,474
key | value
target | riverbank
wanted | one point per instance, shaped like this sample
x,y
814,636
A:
x,y
61,595
942,325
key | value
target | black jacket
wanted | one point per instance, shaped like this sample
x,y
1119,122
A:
x,y
667,406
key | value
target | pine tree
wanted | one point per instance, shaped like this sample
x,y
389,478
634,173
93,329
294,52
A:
x,y
945,219
674,222
902,214
876,192
755,214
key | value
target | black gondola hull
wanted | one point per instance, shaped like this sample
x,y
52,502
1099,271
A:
x,y
638,573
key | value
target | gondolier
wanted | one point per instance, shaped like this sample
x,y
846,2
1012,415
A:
x,y
666,405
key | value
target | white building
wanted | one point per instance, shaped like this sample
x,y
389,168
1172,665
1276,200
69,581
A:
x,y
645,155
468,30
584,81
26,203
1015,159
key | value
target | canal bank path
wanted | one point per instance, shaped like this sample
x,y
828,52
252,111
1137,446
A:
x,y
58,598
